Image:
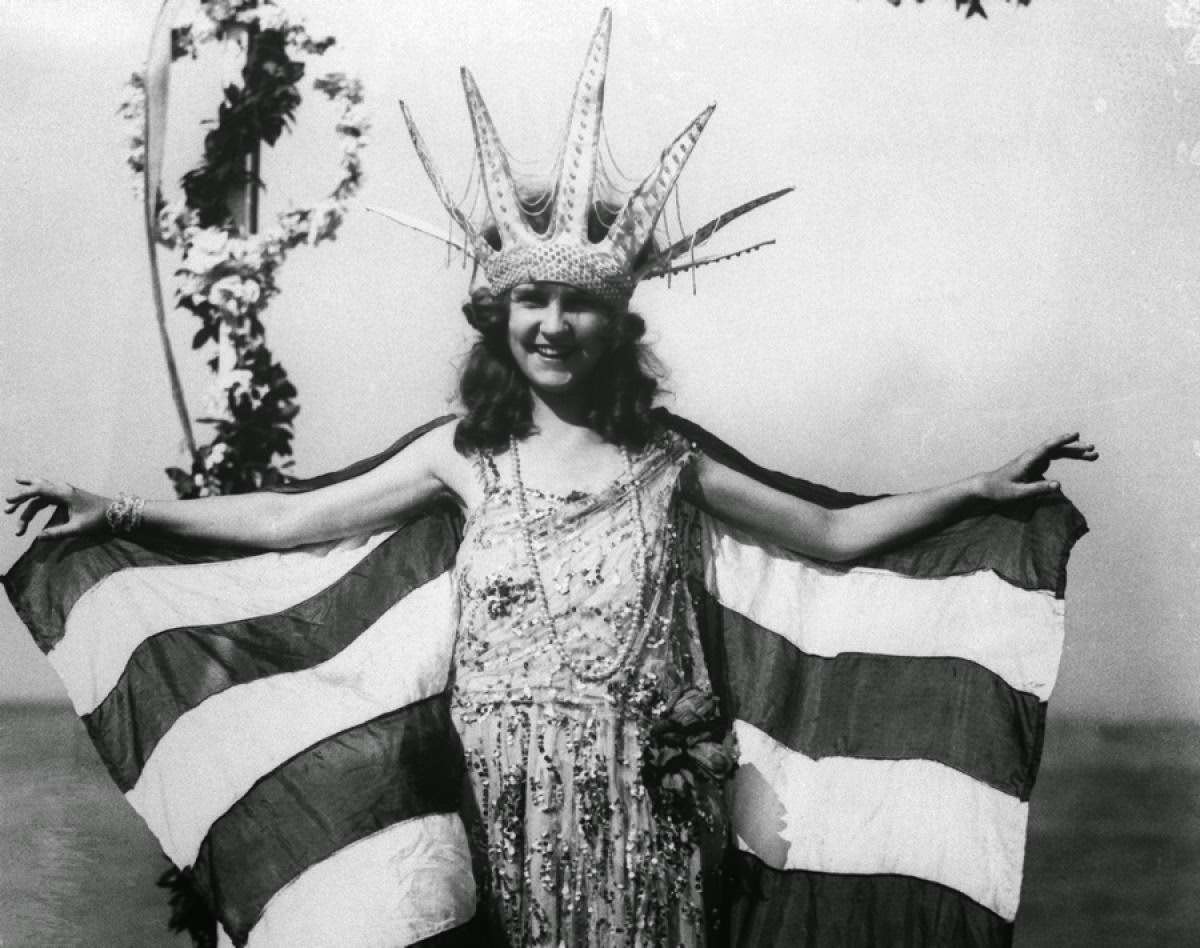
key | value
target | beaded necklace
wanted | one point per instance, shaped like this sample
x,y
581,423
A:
x,y
632,636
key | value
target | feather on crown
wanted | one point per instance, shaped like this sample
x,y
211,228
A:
x,y
560,249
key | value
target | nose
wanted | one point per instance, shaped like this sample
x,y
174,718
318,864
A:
x,y
554,322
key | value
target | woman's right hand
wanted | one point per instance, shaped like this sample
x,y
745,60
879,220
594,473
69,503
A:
x,y
85,511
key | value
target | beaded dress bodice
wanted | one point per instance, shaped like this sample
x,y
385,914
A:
x,y
554,715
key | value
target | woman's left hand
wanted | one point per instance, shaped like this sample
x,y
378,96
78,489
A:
x,y
1024,475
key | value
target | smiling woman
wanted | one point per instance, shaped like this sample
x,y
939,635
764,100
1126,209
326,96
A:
x,y
565,342
558,334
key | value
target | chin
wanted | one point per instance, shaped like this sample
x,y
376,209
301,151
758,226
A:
x,y
557,383
558,379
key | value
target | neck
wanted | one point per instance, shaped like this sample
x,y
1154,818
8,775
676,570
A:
x,y
561,416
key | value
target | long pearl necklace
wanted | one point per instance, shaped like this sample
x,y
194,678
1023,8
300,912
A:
x,y
627,642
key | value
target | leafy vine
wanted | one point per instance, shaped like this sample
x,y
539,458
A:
x,y
227,274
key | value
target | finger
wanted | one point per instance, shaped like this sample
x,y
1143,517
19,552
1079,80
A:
x,y
35,506
1038,489
1060,441
1070,451
30,511
1077,453
62,530
59,492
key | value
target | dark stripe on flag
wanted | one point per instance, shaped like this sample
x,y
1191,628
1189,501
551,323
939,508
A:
x,y
174,671
1026,544
343,789
879,707
52,575
773,908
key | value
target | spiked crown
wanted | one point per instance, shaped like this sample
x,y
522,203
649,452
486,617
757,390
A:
x,y
540,232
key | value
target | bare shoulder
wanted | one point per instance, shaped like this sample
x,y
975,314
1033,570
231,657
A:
x,y
433,460
454,470
426,470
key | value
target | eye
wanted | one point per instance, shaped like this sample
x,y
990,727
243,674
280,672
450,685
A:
x,y
580,303
529,296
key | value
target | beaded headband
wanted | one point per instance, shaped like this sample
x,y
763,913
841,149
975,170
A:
x,y
539,232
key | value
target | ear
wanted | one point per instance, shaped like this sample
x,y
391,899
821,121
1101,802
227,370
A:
x,y
628,327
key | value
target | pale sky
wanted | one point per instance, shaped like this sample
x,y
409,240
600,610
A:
x,y
993,239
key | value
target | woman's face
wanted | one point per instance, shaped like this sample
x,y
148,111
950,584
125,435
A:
x,y
557,334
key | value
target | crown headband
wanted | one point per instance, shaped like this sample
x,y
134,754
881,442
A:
x,y
560,250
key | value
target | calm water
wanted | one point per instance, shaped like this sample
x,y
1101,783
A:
x,y
1114,855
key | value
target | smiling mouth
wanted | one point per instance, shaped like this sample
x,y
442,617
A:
x,y
553,353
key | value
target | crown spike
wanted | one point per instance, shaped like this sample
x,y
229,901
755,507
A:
x,y
495,173
573,193
481,249
666,270
637,218
421,227
701,234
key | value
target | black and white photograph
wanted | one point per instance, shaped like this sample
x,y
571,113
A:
x,y
589,474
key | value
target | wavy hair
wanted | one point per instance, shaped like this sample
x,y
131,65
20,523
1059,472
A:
x,y
497,400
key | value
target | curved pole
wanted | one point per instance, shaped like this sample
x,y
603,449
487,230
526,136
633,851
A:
x,y
158,67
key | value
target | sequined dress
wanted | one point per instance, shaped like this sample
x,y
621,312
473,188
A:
x,y
576,845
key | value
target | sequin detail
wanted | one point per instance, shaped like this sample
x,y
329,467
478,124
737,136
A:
x,y
575,849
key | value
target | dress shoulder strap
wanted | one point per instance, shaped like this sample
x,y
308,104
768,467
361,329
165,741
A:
x,y
486,470
670,453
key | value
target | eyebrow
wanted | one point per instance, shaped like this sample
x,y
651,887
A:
x,y
576,297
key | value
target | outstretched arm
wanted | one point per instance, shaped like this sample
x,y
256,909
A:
x,y
840,535
426,470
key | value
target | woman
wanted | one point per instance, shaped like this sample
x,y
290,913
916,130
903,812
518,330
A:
x,y
576,662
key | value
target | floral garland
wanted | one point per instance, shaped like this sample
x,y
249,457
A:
x,y
228,276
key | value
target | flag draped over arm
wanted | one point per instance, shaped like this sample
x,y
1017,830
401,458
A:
x,y
890,717
280,720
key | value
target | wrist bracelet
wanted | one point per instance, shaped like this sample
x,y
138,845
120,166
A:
x,y
124,515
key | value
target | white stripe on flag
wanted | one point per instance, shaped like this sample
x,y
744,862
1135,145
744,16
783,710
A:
x,y
913,818
124,609
1015,633
218,750
407,882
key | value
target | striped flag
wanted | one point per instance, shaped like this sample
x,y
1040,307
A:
x,y
280,720
889,716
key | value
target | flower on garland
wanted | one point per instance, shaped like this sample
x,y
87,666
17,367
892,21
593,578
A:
x,y
133,112
234,295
